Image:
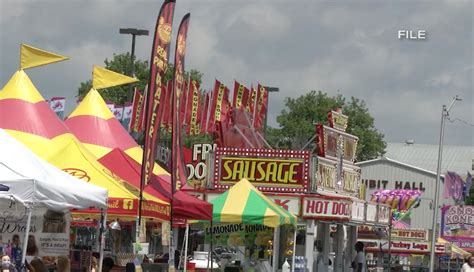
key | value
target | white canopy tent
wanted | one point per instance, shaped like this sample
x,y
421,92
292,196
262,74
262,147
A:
x,y
29,180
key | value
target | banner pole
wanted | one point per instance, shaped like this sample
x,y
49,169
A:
x,y
29,210
103,221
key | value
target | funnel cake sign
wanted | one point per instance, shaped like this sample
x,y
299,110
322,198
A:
x,y
267,169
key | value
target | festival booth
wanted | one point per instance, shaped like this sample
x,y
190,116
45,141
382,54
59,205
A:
x,y
322,189
245,230
37,197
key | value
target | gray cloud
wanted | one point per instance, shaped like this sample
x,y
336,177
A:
x,y
322,45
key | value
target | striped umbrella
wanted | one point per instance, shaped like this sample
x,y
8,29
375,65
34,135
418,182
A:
x,y
243,203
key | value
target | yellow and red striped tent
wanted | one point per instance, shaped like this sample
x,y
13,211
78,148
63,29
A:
x,y
25,115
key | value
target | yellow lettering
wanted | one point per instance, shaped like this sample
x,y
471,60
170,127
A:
x,y
238,172
227,169
261,171
292,172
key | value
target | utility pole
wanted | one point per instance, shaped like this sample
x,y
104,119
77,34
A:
x,y
444,114
134,32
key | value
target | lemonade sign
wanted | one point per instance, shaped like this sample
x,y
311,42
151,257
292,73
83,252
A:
x,y
239,235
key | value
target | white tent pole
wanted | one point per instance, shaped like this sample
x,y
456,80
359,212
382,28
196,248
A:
x,y
294,249
276,247
186,235
29,210
102,237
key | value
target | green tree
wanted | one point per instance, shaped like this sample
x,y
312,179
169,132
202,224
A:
x,y
120,63
297,123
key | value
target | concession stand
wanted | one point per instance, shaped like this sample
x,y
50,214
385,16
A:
x,y
322,189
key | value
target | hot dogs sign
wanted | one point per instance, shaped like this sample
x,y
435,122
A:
x,y
268,169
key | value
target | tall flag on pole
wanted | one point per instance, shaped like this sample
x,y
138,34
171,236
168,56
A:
x,y
178,169
260,107
193,114
251,102
137,112
220,105
58,104
204,115
158,66
241,96
183,102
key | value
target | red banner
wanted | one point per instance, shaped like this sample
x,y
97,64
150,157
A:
x,y
205,113
241,96
137,112
158,66
194,109
251,102
178,167
220,107
183,103
261,107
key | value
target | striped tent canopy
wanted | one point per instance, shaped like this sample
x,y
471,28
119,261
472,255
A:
x,y
243,203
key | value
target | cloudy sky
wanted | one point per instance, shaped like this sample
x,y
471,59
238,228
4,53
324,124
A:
x,y
333,46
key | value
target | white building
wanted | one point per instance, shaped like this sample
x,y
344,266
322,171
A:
x,y
413,166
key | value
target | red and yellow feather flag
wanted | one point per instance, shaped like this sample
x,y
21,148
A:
x,y
178,168
241,96
194,109
260,107
158,67
251,102
205,114
220,106
137,112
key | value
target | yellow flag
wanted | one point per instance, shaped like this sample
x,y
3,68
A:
x,y
103,78
33,57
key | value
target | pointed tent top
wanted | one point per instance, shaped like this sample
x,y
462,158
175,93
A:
x,y
103,78
93,104
33,57
20,87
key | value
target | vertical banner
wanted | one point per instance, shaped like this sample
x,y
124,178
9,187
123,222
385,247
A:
x,y
137,112
158,66
193,112
178,167
183,101
205,113
241,96
58,104
111,107
251,102
220,105
260,107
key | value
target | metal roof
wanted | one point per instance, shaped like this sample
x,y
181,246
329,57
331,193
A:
x,y
455,158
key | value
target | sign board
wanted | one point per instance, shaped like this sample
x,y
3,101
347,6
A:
x,y
196,167
384,214
402,246
410,234
331,142
338,120
457,225
289,203
371,215
267,169
323,208
49,230
238,235
358,211
326,177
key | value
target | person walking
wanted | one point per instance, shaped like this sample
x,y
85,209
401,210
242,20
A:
x,y
359,263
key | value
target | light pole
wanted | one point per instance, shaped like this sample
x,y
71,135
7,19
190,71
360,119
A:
x,y
444,114
134,32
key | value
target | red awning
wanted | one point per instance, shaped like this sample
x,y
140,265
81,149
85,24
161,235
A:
x,y
185,206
